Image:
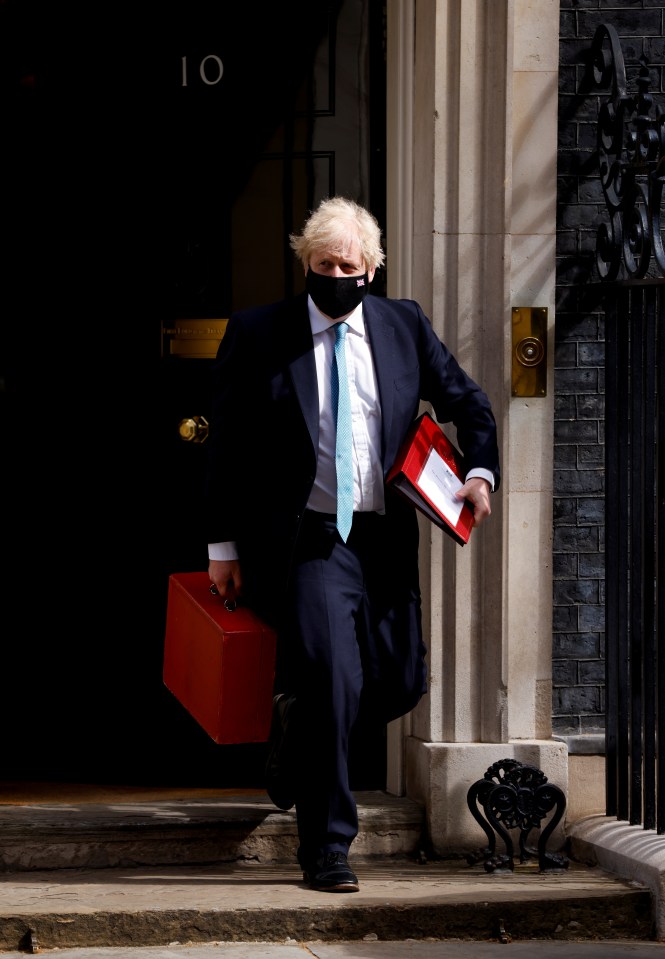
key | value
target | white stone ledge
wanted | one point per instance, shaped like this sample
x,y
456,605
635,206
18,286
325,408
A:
x,y
632,852
584,744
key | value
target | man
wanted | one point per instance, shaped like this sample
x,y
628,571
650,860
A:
x,y
345,603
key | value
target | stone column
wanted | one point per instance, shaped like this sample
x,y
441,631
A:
x,y
481,118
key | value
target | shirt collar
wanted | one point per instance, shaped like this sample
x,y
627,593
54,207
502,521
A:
x,y
321,323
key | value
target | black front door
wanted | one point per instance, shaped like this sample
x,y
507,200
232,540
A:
x,y
152,171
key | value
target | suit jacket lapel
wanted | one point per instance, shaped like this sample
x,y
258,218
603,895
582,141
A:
x,y
382,337
303,368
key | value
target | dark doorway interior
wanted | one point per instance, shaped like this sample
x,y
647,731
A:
x,y
152,170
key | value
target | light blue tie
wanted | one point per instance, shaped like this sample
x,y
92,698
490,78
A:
x,y
343,449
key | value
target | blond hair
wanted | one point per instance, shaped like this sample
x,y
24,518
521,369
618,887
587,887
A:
x,y
331,225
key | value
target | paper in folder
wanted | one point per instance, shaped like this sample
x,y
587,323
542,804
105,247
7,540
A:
x,y
428,470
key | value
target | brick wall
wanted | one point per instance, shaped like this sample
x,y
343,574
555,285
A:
x,y
578,640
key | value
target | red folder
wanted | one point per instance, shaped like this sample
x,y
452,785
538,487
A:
x,y
218,663
427,471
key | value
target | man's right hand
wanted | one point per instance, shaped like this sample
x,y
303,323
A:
x,y
226,576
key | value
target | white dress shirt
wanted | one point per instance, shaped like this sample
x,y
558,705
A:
x,y
365,415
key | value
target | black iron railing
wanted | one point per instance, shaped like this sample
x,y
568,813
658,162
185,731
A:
x,y
634,547
631,262
631,159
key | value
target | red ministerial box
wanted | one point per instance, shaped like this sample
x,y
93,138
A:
x,y
219,664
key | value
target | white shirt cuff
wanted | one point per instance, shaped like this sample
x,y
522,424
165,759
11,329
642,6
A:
x,y
222,551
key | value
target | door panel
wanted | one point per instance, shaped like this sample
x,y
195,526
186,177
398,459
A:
x,y
153,174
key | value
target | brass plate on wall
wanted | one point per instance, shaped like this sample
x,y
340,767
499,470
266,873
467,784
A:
x,y
529,356
192,339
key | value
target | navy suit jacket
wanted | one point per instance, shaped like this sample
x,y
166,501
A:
x,y
265,421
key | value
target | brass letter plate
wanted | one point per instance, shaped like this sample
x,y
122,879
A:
x,y
529,363
193,339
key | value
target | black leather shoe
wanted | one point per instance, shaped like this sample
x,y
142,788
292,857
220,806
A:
x,y
280,771
331,873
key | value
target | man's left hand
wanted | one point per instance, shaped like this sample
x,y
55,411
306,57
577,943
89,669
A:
x,y
476,491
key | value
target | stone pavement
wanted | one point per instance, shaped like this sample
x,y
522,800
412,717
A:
x,y
404,949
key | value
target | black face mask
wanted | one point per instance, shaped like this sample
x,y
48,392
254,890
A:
x,y
336,295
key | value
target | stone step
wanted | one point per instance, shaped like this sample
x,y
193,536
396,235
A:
x,y
222,869
251,902
229,827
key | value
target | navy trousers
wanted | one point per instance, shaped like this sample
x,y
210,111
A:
x,y
352,640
